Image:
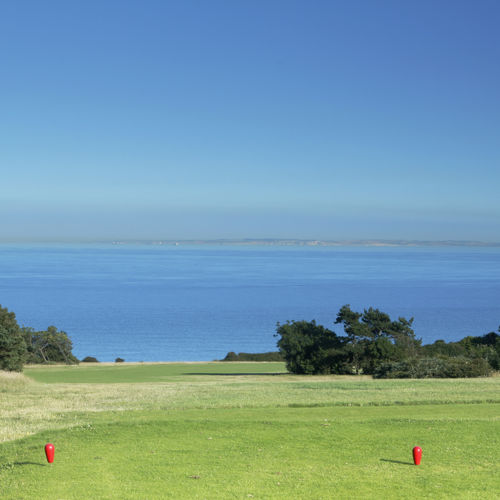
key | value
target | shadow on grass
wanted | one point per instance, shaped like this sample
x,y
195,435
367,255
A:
x,y
235,374
395,461
11,465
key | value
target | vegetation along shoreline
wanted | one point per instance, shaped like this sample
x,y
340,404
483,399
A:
x,y
372,344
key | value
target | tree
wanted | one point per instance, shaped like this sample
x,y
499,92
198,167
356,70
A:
x,y
440,348
373,338
12,345
48,346
407,345
486,347
376,345
355,335
309,348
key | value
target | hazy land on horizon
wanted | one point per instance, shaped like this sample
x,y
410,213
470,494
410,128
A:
x,y
261,241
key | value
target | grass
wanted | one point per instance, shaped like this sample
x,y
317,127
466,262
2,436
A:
x,y
233,431
146,372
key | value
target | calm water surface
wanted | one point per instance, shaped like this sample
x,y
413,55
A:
x,y
154,303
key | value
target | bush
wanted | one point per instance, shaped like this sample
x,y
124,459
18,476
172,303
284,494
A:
x,y
89,359
248,356
458,367
119,360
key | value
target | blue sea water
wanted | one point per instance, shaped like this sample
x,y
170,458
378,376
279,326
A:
x,y
180,303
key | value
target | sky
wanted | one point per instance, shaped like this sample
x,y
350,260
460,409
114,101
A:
x,y
334,120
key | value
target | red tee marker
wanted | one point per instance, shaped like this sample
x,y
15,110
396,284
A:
x,y
49,452
417,455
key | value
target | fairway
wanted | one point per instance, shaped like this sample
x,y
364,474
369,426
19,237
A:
x,y
244,430
147,372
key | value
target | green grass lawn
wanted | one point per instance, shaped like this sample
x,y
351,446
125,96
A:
x,y
235,431
146,372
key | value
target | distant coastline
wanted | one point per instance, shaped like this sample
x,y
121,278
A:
x,y
278,242
311,243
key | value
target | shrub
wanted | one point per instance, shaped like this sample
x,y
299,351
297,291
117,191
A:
x,y
89,359
119,360
248,356
458,367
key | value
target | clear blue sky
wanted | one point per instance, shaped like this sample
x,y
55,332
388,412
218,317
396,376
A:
x,y
258,118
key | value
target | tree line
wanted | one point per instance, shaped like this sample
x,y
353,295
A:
x,y
371,344
374,344
20,345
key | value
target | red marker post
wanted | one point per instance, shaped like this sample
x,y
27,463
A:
x,y
417,455
49,452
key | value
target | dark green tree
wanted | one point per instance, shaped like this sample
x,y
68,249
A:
x,y
12,345
309,348
407,345
486,347
373,338
377,351
48,346
440,348
356,334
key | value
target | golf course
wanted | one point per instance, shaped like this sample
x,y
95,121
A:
x,y
243,430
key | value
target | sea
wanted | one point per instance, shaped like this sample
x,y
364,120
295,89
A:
x,y
197,303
